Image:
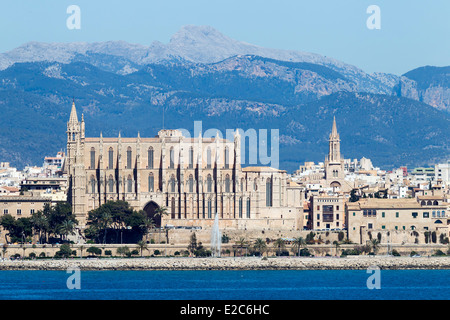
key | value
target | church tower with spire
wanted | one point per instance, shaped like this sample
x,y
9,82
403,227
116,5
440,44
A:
x,y
75,163
334,163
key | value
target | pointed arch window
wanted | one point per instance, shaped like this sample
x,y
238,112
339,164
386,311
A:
x,y
227,183
172,183
92,183
227,158
172,209
110,158
110,184
191,183
171,158
129,154
150,158
191,158
92,158
151,183
209,183
269,192
129,184
240,207
248,208
209,209
208,158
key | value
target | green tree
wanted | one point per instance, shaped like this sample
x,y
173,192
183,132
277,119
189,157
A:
x,y
124,251
161,212
142,245
280,245
260,246
353,196
94,250
192,246
299,243
64,251
336,244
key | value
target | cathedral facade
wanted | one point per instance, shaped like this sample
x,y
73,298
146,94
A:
x,y
194,178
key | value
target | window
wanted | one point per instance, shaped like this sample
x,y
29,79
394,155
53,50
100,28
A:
x,y
240,207
209,183
150,158
172,158
426,214
92,182
92,158
227,183
227,154
383,214
19,212
414,215
5,211
209,209
191,183
129,153
151,182
269,192
110,158
369,226
32,211
172,183
248,208
129,184
396,214
383,227
208,158
191,157
111,184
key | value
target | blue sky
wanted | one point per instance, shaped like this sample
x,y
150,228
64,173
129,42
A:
x,y
413,33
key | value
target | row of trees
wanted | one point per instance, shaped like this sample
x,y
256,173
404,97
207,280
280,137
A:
x,y
117,222
53,223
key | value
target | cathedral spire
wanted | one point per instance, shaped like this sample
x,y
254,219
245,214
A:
x,y
73,114
334,134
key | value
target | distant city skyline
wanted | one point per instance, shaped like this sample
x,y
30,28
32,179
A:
x,y
412,34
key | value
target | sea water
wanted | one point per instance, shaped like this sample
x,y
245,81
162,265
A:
x,y
225,285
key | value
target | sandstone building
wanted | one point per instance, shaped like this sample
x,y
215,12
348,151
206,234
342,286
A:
x,y
194,178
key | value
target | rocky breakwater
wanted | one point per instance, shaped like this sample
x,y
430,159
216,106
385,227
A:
x,y
249,263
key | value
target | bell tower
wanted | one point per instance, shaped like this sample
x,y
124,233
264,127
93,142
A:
x,y
75,168
334,163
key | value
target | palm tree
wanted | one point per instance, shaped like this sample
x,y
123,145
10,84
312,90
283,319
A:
x,y
375,244
280,245
66,228
336,244
241,243
40,224
147,224
299,243
106,222
260,246
142,245
4,249
160,212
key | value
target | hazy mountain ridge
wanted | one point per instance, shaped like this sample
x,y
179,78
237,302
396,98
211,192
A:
x,y
204,75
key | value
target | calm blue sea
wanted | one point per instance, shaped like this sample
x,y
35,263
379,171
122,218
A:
x,y
225,285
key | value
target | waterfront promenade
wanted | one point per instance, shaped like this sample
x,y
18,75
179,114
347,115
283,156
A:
x,y
230,263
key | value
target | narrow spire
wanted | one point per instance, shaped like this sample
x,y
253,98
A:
x,y
73,114
334,133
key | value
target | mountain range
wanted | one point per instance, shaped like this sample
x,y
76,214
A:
x,y
204,75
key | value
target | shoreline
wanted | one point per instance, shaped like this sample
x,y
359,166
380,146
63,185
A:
x,y
245,263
